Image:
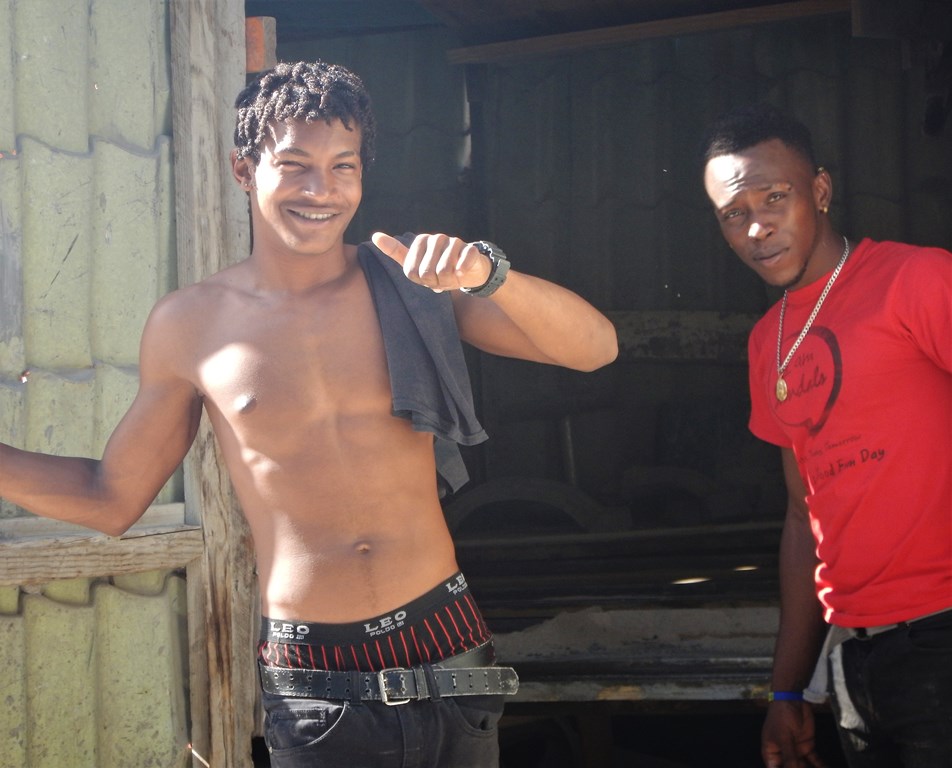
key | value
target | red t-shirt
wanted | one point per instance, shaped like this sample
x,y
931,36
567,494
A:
x,y
869,418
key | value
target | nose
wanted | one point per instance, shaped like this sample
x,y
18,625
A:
x,y
318,184
758,231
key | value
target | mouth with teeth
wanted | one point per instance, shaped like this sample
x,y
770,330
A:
x,y
309,216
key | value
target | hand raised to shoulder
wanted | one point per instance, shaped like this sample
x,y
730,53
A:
x,y
439,262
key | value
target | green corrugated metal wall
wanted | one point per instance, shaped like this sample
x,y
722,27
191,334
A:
x,y
95,671
86,230
93,674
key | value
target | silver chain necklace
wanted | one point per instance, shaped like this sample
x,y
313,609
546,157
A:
x,y
782,390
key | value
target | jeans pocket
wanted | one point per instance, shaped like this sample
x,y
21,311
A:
x,y
932,634
478,715
290,728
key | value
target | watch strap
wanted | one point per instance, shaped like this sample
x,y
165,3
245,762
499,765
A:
x,y
498,271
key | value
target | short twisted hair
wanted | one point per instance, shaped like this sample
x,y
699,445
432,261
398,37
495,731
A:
x,y
747,126
303,91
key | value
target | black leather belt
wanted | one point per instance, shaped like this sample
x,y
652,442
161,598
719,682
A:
x,y
864,633
396,685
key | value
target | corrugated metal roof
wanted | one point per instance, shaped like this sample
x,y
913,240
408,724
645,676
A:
x,y
493,21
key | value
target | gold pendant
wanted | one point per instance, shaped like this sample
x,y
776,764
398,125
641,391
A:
x,y
781,389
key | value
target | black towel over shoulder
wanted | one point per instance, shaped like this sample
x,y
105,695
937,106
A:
x,y
429,380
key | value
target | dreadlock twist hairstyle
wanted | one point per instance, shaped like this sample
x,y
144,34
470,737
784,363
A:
x,y
303,91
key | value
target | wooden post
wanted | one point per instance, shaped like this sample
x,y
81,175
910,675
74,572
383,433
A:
x,y
208,67
261,40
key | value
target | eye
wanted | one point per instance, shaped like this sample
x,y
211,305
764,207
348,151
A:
x,y
774,197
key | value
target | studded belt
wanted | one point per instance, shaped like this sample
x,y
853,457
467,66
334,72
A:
x,y
396,685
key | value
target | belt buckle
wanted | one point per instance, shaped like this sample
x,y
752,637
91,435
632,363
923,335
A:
x,y
385,696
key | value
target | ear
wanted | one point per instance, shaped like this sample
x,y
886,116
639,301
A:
x,y
243,169
822,189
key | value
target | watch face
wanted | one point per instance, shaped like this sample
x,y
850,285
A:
x,y
491,250
497,275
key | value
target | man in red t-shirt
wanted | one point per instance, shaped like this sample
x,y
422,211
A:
x,y
851,376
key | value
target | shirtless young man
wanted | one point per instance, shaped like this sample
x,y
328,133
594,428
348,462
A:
x,y
285,352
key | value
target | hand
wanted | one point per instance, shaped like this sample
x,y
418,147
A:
x,y
788,736
439,262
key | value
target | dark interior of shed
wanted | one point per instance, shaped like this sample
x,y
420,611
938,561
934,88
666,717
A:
x,y
566,132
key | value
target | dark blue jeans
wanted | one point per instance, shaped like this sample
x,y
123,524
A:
x,y
900,683
452,732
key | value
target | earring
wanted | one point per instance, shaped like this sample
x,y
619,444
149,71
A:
x,y
825,209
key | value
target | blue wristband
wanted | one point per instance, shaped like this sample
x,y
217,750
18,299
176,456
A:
x,y
785,696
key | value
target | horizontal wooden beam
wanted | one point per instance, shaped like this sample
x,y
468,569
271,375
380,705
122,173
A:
x,y
749,683
604,37
40,560
678,654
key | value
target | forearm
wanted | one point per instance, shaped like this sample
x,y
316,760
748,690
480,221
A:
x,y
800,634
561,324
534,319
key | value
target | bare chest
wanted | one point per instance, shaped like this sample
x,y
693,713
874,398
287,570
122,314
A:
x,y
285,366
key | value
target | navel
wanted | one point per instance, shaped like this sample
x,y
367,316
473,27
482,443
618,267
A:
x,y
362,548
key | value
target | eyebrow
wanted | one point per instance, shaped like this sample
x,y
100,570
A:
x,y
292,150
298,152
766,186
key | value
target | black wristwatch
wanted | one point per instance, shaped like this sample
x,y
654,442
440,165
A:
x,y
497,275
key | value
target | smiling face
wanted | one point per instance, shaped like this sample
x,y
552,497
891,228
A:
x,y
306,187
768,200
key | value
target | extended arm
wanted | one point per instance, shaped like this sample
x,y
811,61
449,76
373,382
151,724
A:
x,y
150,441
527,318
788,733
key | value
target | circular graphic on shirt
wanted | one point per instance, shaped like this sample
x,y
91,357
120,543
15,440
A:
x,y
814,378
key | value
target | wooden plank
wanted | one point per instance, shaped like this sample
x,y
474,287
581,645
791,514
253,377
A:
x,y
689,654
261,40
596,561
541,595
633,586
530,600
592,39
212,231
39,560
741,537
702,686
198,690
